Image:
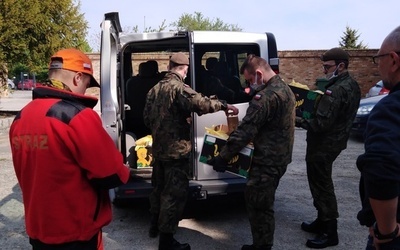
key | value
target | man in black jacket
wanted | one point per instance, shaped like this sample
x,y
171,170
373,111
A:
x,y
380,164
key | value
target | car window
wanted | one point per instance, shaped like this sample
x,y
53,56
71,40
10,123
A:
x,y
217,72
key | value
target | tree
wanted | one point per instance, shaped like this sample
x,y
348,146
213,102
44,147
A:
x,y
186,22
198,22
95,38
32,30
3,78
350,38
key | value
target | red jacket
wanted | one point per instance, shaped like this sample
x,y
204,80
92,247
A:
x,y
65,163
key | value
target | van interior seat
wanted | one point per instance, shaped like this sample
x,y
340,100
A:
x,y
137,88
230,81
211,62
150,69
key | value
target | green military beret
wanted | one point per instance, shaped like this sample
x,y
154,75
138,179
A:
x,y
336,54
179,58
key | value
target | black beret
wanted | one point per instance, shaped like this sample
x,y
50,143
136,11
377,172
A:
x,y
179,58
336,54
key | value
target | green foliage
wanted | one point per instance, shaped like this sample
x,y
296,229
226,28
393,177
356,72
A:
x,y
16,70
32,30
3,77
350,38
186,22
42,75
160,28
198,22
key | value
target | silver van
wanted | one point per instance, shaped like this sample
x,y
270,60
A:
x,y
131,64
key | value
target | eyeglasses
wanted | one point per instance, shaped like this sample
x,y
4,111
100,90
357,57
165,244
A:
x,y
375,59
327,66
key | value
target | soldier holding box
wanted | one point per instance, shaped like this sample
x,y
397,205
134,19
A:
x,y
269,124
327,134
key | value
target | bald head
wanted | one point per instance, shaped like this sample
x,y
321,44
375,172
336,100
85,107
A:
x,y
392,41
389,59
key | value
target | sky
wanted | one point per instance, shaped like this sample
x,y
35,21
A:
x,y
296,24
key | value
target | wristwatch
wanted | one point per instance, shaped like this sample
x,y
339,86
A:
x,y
380,236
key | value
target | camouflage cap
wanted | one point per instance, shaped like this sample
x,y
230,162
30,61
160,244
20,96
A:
x,y
179,58
336,54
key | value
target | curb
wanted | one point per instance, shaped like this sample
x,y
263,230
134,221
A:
x,y
5,123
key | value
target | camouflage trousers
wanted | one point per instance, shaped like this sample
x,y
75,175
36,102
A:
x,y
319,174
170,190
260,196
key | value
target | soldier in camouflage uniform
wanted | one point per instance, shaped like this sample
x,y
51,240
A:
x,y
167,113
327,135
269,124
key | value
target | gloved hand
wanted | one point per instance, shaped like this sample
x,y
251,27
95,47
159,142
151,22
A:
x,y
231,110
299,121
219,164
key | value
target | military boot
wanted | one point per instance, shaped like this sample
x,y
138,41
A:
x,y
167,242
327,239
314,227
252,247
153,230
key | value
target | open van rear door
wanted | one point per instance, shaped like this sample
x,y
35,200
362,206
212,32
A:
x,y
110,89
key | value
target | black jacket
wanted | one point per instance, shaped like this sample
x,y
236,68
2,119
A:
x,y
380,164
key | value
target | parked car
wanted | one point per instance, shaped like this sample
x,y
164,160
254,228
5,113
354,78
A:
x,y
360,121
378,89
27,84
10,84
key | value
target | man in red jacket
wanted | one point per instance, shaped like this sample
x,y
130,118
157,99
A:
x,y
64,160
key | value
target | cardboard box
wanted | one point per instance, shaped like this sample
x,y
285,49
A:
x,y
239,164
306,101
143,156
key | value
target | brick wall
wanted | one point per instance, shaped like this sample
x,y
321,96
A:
x,y
303,66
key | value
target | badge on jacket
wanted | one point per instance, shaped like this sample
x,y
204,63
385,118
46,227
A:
x,y
257,97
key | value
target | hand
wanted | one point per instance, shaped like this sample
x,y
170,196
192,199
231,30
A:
x,y
218,164
232,110
299,121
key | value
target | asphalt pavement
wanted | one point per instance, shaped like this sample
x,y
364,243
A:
x,y
12,103
15,100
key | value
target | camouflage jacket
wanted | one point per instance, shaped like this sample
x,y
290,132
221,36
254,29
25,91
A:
x,y
269,124
167,113
334,115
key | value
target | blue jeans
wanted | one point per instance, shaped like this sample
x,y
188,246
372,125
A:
x,y
391,245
